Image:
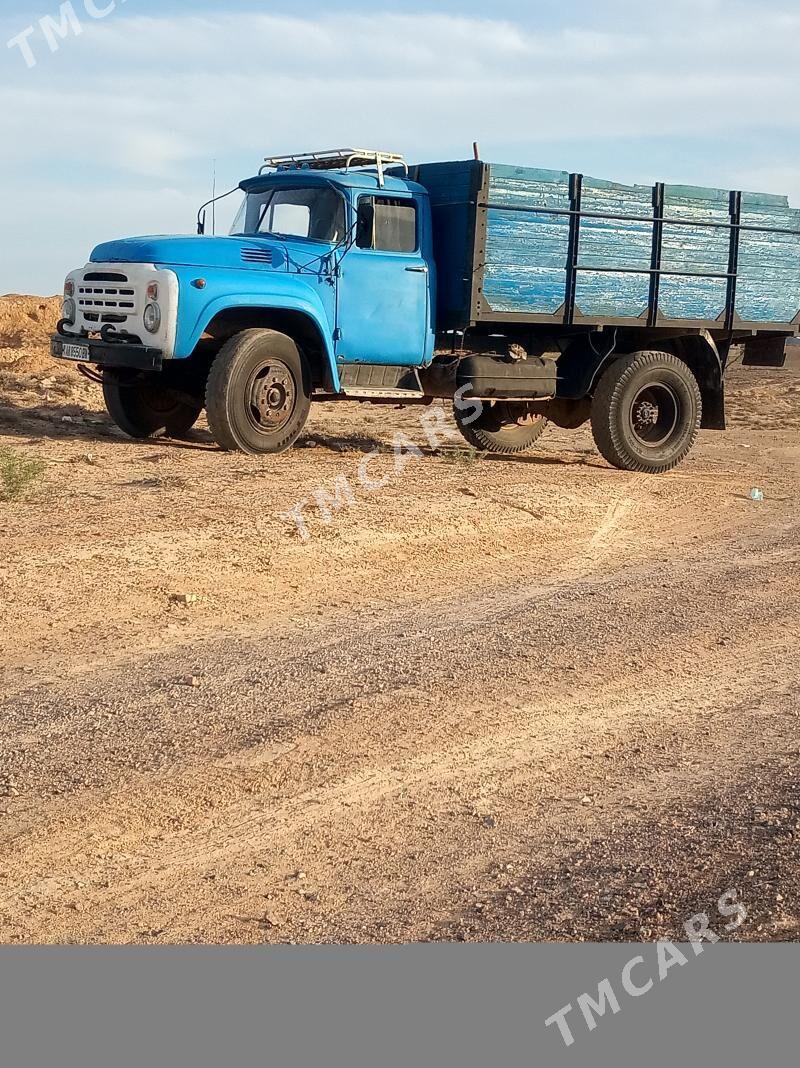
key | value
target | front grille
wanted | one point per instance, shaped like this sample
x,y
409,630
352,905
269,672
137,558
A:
x,y
97,276
96,317
112,302
257,255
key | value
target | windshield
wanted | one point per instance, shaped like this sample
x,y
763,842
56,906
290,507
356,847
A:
x,y
314,213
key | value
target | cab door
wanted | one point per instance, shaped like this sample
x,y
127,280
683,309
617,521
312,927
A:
x,y
384,286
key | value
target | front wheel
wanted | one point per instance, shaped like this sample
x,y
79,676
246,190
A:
x,y
502,428
646,412
258,394
143,407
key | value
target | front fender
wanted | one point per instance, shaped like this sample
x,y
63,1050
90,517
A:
x,y
198,307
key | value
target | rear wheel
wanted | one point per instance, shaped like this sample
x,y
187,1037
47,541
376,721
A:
x,y
258,394
143,407
646,412
502,428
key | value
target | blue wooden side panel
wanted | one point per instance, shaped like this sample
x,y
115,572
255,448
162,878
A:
x,y
453,191
526,255
769,264
614,243
696,251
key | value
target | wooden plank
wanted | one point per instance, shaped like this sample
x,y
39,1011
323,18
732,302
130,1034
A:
x,y
700,249
769,264
615,243
526,262
527,251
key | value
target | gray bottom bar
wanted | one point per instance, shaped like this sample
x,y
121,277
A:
x,y
733,1005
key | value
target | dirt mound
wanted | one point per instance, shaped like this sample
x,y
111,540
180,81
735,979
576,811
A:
x,y
26,324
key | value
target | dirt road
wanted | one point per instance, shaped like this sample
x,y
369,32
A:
x,y
494,699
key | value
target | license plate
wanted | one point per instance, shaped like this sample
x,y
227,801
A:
x,y
75,352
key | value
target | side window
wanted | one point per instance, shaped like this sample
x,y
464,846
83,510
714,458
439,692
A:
x,y
387,225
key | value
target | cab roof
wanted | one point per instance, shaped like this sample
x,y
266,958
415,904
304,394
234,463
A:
x,y
366,180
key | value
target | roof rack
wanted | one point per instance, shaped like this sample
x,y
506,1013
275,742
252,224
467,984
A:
x,y
337,159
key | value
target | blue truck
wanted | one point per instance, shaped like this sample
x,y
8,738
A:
x,y
523,296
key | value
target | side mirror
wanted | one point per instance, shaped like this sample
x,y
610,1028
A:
x,y
365,229
201,224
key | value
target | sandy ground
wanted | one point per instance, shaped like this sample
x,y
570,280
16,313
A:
x,y
496,699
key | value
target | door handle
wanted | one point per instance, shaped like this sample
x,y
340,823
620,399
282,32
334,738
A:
x,y
417,270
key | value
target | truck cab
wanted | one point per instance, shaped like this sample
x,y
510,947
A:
x,y
328,269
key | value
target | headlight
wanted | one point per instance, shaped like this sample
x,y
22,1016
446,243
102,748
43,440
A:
x,y
152,318
69,288
68,311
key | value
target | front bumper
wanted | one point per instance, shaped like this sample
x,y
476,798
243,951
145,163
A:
x,y
107,354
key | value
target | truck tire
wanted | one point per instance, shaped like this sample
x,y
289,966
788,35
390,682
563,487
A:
x,y
143,407
646,412
497,429
258,394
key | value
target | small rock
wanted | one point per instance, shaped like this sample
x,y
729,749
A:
x,y
191,680
186,599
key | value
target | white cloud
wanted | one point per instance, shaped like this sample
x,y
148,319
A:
x,y
190,83
155,98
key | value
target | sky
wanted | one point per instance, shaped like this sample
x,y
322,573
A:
x,y
112,128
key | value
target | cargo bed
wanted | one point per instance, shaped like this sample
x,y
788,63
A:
x,y
520,245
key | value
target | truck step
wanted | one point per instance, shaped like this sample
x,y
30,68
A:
x,y
378,382
377,376
368,393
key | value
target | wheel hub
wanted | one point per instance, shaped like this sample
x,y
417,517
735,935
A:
x,y
161,401
514,415
272,397
654,414
646,415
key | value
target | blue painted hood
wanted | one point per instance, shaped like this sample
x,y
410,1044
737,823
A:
x,y
186,251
